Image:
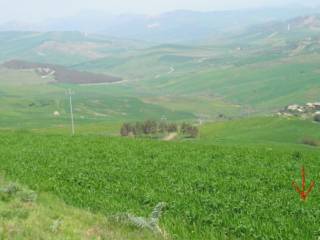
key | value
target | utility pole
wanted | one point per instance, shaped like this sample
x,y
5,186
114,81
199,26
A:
x,y
71,113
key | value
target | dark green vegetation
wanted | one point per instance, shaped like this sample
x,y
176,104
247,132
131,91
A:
x,y
161,129
317,118
213,192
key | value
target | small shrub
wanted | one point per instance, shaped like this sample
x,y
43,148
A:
x,y
194,132
138,129
28,196
189,130
311,142
184,128
56,225
13,191
297,155
150,127
317,118
14,213
163,127
172,127
9,192
125,130
151,223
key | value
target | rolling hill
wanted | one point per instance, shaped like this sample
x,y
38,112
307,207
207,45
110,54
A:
x,y
178,26
63,48
234,181
29,101
260,131
60,74
253,71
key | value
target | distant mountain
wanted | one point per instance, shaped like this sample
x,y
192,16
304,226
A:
x,y
310,22
306,24
63,48
17,26
290,37
296,29
176,26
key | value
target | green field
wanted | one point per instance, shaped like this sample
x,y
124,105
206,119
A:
x,y
28,102
260,130
235,91
212,192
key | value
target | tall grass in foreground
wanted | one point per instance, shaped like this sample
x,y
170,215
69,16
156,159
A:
x,y
24,214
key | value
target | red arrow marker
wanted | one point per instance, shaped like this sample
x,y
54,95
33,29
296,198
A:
x,y
303,194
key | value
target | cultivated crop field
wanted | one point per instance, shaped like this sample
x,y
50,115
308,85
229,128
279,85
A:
x,y
212,192
261,130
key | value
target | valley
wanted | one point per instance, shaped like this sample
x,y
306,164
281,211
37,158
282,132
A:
x,y
248,93
232,79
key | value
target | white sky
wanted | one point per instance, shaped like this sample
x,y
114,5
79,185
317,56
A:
x,y
35,10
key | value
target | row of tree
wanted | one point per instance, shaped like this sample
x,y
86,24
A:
x,y
151,127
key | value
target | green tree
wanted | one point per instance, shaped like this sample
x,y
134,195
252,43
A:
x,y
125,129
150,127
163,127
172,127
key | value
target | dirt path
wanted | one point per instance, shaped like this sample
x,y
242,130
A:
x,y
171,70
170,137
103,83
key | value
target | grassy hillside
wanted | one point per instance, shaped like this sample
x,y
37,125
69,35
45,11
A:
x,y
65,48
264,86
260,130
28,102
212,192
256,71
26,214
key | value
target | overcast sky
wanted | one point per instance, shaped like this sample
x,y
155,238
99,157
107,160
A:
x,y
35,10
